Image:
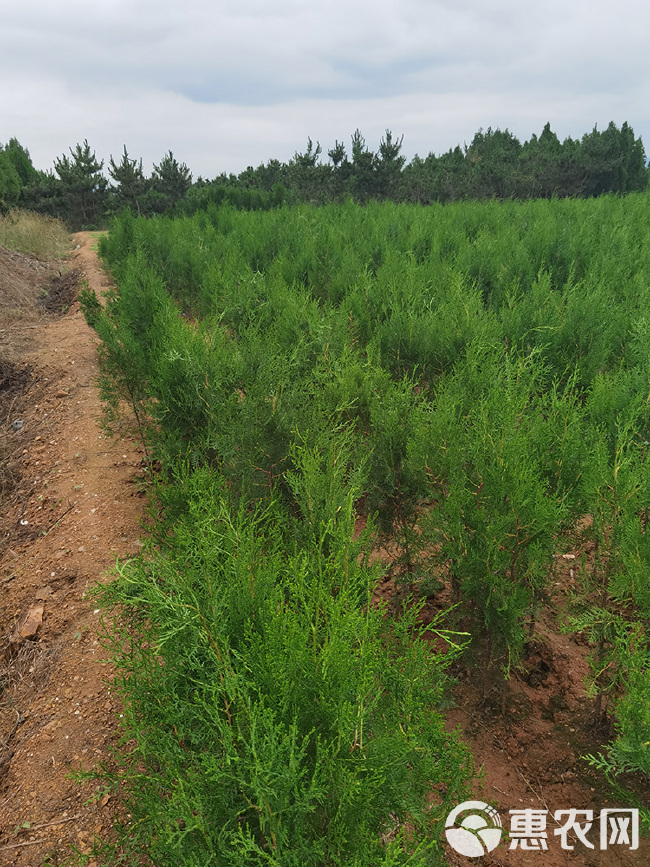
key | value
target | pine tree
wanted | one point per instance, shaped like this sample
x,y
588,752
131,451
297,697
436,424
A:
x,y
613,161
84,188
541,166
494,156
389,165
307,176
341,170
170,183
362,180
634,175
130,183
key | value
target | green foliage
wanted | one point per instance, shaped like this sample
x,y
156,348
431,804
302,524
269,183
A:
x,y
83,187
21,160
132,329
496,519
44,194
130,184
494,166
493,157
208,196
621,671
630,751
16,172
616,496
293,724
9,182
470,381
170,182
613,160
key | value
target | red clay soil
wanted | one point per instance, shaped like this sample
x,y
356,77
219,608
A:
x,y
530,758
528,736
76,508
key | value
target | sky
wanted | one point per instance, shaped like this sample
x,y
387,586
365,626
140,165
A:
x,y
232,83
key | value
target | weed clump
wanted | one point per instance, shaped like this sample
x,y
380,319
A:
x,y
34,235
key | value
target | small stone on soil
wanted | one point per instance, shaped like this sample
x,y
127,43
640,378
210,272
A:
x,y
32,622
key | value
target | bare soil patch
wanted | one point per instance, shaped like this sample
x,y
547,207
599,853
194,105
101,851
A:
x,y
529,735
74,509
61,291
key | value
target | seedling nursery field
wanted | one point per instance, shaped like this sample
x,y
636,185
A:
x,y
372,431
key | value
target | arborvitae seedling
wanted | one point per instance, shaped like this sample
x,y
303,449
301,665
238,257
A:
x,y
277,716
495,521
475,375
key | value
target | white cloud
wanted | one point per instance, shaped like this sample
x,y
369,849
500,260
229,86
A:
x,y
237,82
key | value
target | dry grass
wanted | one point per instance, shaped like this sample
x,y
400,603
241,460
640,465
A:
x,y
23,670
31,282
34,235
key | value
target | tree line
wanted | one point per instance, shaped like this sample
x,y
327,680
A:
x,y
495,165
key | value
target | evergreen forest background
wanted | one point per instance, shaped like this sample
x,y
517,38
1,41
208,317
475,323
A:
x,y
85,193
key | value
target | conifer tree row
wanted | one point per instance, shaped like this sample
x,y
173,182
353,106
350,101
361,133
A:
x,y
480,371
495,164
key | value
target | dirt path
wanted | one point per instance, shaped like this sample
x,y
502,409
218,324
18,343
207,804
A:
x,y
77,509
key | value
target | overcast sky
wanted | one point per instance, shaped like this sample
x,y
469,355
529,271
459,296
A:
x,y
231,83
